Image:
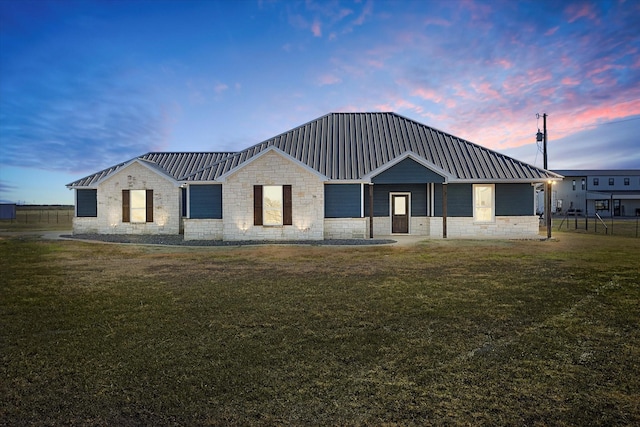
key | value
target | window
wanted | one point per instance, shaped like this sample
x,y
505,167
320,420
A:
x,y
483,202
86,203
627,181
137,205
602,205
574,185
596,181
272,205
583,184
611,181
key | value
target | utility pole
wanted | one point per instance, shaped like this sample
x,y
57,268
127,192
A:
x,y
547,204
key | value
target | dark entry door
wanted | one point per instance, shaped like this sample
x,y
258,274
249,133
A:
x,y
399,213
616,207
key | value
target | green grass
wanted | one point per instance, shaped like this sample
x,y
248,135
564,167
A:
x,y
447,333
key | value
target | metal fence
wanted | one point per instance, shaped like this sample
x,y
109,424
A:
x,y
619,226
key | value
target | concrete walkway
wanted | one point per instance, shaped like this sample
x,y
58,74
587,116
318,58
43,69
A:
x,y
400,240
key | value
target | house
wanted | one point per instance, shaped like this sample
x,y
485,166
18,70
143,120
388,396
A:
x,y
606,192
343,175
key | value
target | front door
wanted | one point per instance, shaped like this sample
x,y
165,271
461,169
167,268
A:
x,y
616,207
400,213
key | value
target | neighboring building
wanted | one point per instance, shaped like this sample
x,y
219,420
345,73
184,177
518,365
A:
x,y
343,175
606,192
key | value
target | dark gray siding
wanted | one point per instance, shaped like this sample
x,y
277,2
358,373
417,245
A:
x,y
205,201
514,199
342,200
381,198
408,171
459,200
87,203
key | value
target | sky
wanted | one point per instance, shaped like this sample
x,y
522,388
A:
x,y
88,84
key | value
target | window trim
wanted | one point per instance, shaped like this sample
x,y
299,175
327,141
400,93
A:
x,y
492,208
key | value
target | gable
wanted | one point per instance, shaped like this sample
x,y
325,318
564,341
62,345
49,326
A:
x,y
138,172
407,171
269,164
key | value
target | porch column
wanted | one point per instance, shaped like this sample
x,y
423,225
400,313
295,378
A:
x,y
371,211
444,210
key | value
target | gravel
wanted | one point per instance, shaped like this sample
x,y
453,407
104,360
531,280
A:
x,y
177,240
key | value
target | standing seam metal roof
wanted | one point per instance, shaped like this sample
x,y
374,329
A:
x,y
349,146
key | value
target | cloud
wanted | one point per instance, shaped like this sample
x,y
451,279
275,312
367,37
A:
x,y
220,87
576,11
316,28
328,79
589,149
77,120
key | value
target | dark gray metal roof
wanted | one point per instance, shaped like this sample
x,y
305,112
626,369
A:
x,y
174,165
350,146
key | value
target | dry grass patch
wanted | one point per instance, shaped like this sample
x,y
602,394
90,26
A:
x,y
447,332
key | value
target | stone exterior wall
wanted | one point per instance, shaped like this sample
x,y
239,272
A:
x,y
203,229
273,168
507,227
166,204
346,228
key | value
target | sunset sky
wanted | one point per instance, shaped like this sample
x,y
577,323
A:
x,y
88,84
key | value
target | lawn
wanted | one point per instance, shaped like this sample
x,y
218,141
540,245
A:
x,y
448,332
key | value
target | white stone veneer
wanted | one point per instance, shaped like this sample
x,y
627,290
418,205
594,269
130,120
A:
x,y
273,168
203,229
508,227
345,228
166,204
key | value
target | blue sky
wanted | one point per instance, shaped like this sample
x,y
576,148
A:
x,y
88,84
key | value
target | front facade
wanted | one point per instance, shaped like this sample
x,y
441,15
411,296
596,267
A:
x,y
609,192
342,176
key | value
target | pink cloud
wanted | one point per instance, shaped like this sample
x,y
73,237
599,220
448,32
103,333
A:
x,y
577,11
551,31
437,21
316,29
485,89
602,69
427,94
570,81
504,63
329,79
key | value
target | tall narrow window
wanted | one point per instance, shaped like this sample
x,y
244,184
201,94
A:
x,y
611,181
272,205
627,181
583,183
596,181
138,205
574,185
483,202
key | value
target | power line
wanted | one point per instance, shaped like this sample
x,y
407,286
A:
x,y
598,124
